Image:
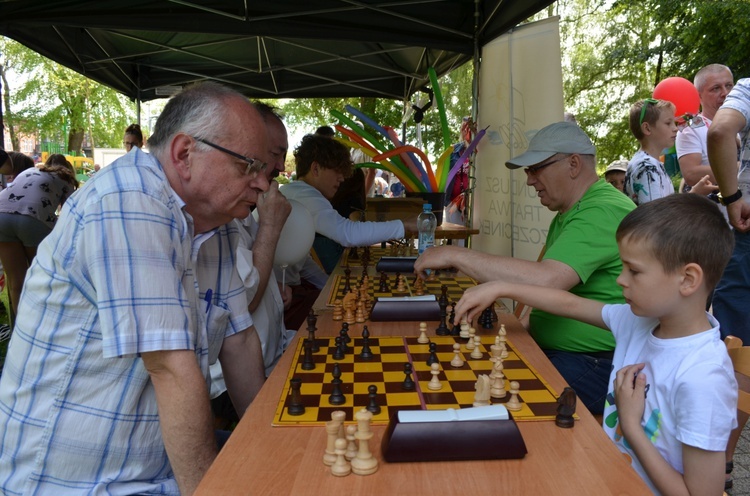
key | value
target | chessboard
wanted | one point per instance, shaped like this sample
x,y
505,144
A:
x,y
456,287
353,257
386,371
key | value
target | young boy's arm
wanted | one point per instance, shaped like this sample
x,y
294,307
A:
x,y
703,470
550,300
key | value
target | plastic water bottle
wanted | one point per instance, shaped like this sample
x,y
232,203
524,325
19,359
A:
x,y
426,223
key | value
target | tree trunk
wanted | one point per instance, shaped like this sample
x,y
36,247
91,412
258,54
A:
x,y
75,141
8,115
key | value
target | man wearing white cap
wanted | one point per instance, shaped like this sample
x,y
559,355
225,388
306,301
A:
x,y
581,254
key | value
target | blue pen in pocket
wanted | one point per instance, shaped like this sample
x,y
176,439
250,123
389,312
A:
x,y
209,296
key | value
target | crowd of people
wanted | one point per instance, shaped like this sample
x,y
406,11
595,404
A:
x,y
147,308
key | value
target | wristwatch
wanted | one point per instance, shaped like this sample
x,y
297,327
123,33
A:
x,y
728,200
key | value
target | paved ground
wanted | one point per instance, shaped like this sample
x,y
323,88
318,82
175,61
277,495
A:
x,y
741,473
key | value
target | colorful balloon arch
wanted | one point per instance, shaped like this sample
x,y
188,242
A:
x,y
408,163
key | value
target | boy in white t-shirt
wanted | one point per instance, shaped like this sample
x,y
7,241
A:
x,y
673,399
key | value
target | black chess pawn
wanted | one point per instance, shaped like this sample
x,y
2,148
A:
x,y
444,294
383,283
480,319
353,255
296,407
456,329
372,395
338,351
366,353
347,280
308,363
433,355
344,347
487,318
442,329
337,395
345,328
311,321
408,384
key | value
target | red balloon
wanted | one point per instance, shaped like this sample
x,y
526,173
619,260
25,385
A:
x,y
681,93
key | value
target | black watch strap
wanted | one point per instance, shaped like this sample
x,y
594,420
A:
x,y
728,200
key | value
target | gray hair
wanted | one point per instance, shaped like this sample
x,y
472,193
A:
x,y
198,110
700,77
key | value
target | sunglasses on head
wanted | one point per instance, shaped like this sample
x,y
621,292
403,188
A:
x,y
646,103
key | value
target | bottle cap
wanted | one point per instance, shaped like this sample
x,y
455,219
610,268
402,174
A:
x,y
427,206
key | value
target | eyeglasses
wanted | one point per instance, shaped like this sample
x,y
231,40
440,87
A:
x,y
690,120
254,166
533,171
646,103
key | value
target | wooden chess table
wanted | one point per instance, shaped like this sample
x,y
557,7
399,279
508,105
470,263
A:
x,y
262,459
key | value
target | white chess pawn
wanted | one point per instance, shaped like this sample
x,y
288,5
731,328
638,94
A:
x,y
470,344
458,360
341,467
513,404
498,385
423,339
464,329
476,353
434,384
351,449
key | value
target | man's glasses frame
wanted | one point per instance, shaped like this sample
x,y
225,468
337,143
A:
x,y
254,166
534,170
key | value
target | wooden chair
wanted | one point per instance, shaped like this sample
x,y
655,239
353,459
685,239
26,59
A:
x,y
740,356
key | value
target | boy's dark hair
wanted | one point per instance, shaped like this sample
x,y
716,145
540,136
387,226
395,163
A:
x,y
653,110
682,229
327,152
326,131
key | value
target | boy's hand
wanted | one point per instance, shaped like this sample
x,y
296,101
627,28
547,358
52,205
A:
x,y
630,396
704,186
476,299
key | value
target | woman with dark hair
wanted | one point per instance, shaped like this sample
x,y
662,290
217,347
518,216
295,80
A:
x,y
19,163
133,137
27,215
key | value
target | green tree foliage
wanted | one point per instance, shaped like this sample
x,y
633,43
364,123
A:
x,y
700,32
615,52
608,64
456,90
57,103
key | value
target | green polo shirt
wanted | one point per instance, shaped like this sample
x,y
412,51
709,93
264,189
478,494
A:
x,y
583,238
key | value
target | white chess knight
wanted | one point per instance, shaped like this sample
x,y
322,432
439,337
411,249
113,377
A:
x,y
482,387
